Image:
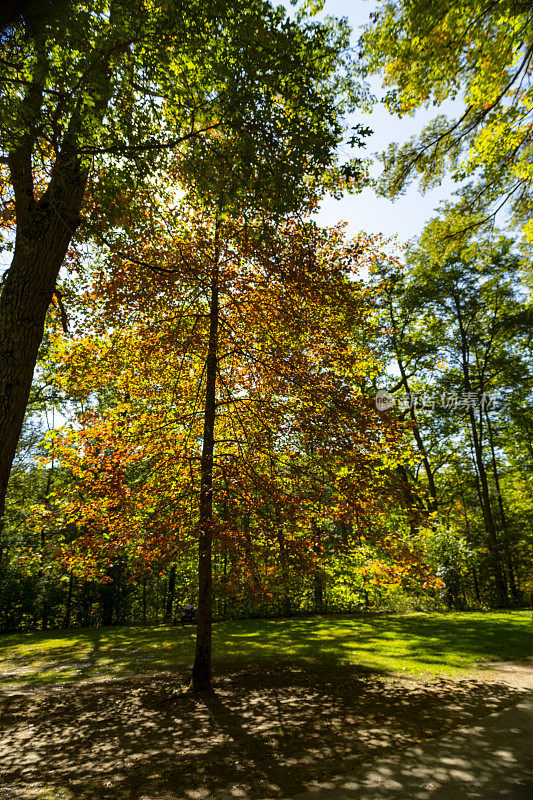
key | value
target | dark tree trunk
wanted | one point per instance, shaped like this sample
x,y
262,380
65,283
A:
x,y
476,585
85,611
201,672
318,586
318,592
488,518
107,599
144,601
171,590
42,570
433,501
469,535
503,518
416,509
68,610
44,231
477,440
285,588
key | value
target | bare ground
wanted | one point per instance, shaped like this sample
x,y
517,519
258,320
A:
x,y
263,735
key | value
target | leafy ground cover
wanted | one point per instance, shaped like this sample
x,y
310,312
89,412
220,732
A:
x,y
96,715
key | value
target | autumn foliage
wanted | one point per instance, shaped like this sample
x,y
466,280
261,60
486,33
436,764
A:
x,y
302,458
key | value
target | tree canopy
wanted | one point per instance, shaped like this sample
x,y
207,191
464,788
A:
x,y
481,53
113,89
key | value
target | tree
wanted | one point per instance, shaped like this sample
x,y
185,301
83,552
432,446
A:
x,y
429,51
458,327
108,89
225,408
412,350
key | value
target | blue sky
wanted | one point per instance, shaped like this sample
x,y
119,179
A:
x,y
366,212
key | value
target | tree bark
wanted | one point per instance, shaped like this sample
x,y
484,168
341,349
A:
x,y
144,601
68,610
318,586
171,590
44,230
280,535
201,672
43,236
433,501
107,600
476,585
503,518
469,535
488,518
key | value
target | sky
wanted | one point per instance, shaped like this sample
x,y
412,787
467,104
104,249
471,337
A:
x,y
367,212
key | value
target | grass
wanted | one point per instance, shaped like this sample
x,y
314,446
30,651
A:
x,y
418,644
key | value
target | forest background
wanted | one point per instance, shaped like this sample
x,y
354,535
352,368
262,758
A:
x,y
233,404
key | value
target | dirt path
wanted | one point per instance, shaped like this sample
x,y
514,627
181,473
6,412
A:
x,y
491,759
274,734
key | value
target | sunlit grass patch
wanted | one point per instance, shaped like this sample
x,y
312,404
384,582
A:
x,y
431,644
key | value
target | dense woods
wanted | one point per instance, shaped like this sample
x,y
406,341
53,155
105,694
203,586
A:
x,y
206,397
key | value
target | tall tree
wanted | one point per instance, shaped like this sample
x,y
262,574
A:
x,y
474,317
118,84
229,403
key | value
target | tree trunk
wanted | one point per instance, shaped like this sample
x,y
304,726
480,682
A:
x,y
144,601
503,518
433,501
476,585
68,610
171,590
477,440
469,535
201,672
44,232
280,535
318,587
84,608
107,600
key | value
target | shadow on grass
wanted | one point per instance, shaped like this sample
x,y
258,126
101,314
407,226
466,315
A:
x,y
265,732
414,643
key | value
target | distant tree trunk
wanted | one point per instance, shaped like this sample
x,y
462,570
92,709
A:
x,y
318,592
42,572
157,598
477,441
144,601
68,610
85,610
201,672
476,585
433,501
503,518
280,535
468,531
171,590
344,532
318,587
107,597
416,509
488,519
225,578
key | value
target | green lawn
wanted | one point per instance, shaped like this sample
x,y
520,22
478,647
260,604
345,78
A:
x,y
431,644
